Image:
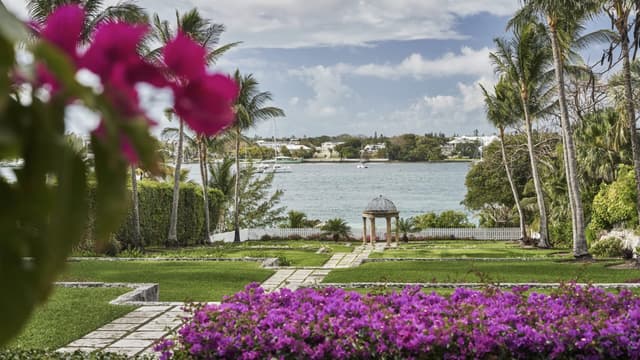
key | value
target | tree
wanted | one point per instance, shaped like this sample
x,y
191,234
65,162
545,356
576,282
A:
x,y
298,219
524,62
405,226
207,35
620,12
563,20
502,111
337,228
223,179
250,108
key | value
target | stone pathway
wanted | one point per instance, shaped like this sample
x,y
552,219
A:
x,y
135,333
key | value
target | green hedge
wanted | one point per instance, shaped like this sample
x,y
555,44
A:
x,y
155,200
615,204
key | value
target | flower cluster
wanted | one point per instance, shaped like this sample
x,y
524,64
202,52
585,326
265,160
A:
x,y
572,322
204,101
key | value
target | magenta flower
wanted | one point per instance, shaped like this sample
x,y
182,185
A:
x,y
185,58
204,101
206,104
63,28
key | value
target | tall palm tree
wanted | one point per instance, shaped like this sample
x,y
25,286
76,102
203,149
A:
x,y
562,18
96,12
250,108
620,12
503,109
207,34
524,61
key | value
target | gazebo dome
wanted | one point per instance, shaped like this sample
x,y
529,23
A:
x,y
380,206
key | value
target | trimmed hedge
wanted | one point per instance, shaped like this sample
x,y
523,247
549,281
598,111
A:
x,y
155,200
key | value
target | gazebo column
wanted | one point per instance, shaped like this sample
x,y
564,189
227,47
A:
x,y
388,231
397,229
364,230
373,230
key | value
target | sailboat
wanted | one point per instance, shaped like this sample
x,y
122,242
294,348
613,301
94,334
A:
x,y
273,167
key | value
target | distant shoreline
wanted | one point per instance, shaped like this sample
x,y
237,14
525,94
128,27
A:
x,y
332,161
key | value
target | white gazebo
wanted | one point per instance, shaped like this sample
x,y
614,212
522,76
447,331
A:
x,y
379,207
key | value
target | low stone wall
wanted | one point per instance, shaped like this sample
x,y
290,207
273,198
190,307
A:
x,y
142,292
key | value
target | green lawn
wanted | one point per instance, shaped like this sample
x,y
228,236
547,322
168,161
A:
x,y
483,271
179,280
467,249
68,315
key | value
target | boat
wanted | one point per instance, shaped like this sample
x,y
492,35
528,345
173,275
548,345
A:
x,y
282,160
362,165
275,168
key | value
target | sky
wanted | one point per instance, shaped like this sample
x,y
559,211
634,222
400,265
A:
x,y
356,66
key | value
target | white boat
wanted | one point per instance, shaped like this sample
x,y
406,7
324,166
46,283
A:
x,y
362,166
277,168
282,160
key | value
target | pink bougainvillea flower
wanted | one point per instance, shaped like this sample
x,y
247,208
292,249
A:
x,y
46,79
205,104
127,149
185,58
113,43
63,28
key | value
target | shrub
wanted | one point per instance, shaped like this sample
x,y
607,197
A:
x,y
446,219
615,204
571,322
608,247
155,200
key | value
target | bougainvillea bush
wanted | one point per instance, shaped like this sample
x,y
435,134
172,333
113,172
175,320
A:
x,y
571,322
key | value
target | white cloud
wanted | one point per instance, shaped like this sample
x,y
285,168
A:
x,y
330,92
467,62
296,23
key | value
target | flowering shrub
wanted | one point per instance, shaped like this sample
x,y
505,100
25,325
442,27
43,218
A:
x,y
572,322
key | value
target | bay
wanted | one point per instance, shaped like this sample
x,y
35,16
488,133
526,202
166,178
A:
x,y
329,190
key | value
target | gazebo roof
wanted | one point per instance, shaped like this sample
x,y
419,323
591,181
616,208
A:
x,y
381,206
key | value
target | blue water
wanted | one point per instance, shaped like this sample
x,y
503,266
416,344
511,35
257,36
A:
x,y
330,190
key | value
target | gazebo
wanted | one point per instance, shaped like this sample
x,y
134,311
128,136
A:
x,y
379,207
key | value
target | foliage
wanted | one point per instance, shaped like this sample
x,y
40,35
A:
x,y
258,205
607,247
446,219
298,219
350,149
615,204
410,147
572,322
155,207
468,150
337,228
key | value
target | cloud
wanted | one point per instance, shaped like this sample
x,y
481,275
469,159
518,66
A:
x,y
467,62
330,93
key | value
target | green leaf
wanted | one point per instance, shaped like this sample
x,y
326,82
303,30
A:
x,y
10,27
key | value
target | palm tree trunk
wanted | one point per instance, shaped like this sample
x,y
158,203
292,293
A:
x,y
572,205
544,232
236,210
631,116
579,240
205,189
514,191
137,234
173,221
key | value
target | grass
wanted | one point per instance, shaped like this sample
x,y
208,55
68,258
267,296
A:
x,y
68,315
483,271
179,281
467,249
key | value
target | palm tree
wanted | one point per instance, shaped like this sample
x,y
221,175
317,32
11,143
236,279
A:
x,y
524,61
405,226
250,108
620,12
223,179
563,18
96,12
503,109
337,228
206,34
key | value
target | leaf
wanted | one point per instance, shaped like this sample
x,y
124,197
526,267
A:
x,y
10,27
